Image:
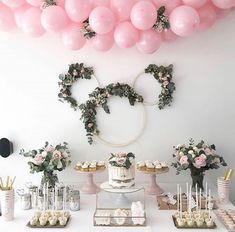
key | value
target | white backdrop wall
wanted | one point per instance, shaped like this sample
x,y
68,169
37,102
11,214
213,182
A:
x,y
203,106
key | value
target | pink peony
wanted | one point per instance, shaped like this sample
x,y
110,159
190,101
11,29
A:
x,y
49,148
184,161
121,160
90,125
199,162
57,155
38,159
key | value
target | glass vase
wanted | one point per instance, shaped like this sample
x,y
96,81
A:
x,y
197,178
49,178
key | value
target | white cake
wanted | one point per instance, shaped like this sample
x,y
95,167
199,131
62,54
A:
x,y
121,170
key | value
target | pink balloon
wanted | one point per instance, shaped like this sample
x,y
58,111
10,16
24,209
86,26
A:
x,y
54,18
169,4
31,22
149,42
60,3
224,4
6,18
36,3
126,35
184,20
143,15
122,8
19,12
103,42
100,3
102,20
169,36
207,17
78,10
72,37
195,3
13,3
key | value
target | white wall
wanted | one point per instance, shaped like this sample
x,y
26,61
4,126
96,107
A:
x,y
203,105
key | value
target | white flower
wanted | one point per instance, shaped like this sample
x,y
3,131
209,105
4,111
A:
x,y
190,152
203,156
181,153
196,149
44,154
65,154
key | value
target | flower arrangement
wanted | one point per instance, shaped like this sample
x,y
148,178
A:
x,y
198,158
47,160
121,160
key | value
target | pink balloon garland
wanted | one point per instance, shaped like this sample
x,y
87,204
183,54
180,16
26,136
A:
x,y
103,23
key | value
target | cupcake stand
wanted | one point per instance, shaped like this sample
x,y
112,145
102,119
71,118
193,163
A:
x,y
89,185
153,188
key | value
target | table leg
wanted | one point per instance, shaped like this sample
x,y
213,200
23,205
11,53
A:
x,y
153,188
89,186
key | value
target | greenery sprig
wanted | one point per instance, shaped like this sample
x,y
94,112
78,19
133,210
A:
x,y
86,30
76,71
99,97
162,23
164,76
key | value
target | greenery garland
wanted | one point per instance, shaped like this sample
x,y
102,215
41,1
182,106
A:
x,y
86,30
163,74
162,23
76,71
99,97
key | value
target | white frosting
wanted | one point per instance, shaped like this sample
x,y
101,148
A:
x,y
138,213
120,177
149,165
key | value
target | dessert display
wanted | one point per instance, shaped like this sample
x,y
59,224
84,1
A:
x,y
138,213
152,166
121,170
49,219
227,217
120,216
196,218
90,166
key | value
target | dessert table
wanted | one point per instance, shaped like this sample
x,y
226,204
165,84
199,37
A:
x,y
157,220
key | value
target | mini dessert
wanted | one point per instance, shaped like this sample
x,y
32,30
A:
x,y
103,218
63,220
52,221
121,170
141,166
158,167
164,164
150,167
78,166
42,221
33,221
85,167
190,222
120,216
181,222
199,222
100,165
92,167
210,223
137,213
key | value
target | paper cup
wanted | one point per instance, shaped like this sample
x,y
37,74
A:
x,y
7,204
223,189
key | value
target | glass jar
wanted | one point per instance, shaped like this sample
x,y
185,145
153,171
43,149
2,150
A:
x,y
74,200
26,202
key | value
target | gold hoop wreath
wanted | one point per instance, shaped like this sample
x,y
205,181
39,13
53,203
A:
x,y
99,97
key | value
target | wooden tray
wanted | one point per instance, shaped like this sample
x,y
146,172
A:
x,y
48,225
194,227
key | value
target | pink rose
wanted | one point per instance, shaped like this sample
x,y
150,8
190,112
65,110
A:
x,y
120,161
38,159
199,162
90,125
184,160
49,148
57,155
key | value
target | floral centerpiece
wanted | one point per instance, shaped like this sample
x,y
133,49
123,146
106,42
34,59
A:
x,y
198,158
48,159
121,160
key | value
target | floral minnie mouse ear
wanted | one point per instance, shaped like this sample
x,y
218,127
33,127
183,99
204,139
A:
x,y
6,147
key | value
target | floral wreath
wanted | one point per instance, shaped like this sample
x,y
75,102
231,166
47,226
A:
x,y
76,71
99,97
121,160
163,74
